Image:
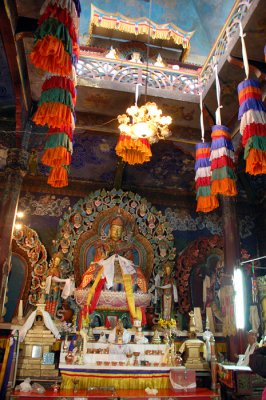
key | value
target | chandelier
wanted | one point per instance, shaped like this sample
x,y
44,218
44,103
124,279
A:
x,y
139,128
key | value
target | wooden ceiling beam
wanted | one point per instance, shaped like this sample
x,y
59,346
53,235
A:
x,y
108,124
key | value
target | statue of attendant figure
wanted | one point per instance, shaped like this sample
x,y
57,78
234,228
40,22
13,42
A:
x,y
168,291
57,288
114,257
53,294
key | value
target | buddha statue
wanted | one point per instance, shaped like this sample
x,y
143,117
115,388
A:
x,y
112,269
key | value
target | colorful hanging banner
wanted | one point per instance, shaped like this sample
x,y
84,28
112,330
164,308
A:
x,y
252,114
206,202
223,178
56,51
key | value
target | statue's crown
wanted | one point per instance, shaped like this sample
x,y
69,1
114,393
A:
x,y
118,221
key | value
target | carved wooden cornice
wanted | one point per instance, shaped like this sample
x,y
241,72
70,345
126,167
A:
x,y
80,188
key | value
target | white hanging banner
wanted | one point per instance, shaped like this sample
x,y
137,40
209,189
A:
x,y
201,118
244,50
137,93
218,95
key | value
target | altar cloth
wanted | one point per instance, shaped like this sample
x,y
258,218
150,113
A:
x,y
120,378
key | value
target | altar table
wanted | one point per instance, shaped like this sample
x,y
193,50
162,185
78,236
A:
x,y
170,394
128,377
111,373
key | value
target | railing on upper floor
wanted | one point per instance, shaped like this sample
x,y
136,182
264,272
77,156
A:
x,y
229,32
120,71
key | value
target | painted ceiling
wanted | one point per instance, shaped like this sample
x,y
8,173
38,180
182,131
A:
x,y
205,17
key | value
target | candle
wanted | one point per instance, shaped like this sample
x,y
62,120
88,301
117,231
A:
x,y
20,309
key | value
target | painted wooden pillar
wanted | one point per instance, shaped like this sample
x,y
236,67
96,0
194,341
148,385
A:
x,y
231,258
16,168
231,234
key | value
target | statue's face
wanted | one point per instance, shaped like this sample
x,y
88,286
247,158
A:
x,y
168,270
116,232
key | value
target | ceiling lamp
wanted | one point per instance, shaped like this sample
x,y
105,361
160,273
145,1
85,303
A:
x,y
139,128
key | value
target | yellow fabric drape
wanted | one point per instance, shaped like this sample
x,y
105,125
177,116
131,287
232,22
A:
x,y
227,305
130,295
3,368
132,381
92,289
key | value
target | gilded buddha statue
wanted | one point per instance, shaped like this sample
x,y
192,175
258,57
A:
x,y
112,269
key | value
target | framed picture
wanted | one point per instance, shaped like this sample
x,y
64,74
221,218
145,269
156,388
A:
x,y
36,352
111,321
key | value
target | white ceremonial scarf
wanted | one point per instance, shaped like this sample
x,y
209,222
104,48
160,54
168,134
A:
x,y
244,361
108,265
48,322
68,287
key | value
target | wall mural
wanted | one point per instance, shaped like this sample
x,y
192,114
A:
x,y
169,168
44,205
92,151
183,220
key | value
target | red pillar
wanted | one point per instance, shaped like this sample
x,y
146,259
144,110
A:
x,y
16,168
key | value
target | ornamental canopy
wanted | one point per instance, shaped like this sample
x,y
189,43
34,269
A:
x,y
118,26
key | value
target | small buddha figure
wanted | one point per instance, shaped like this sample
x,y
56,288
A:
x,y
111,54
102,338
119,334
159,61
135,57
33,163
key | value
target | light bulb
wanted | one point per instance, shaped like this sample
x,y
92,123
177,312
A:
x,y
142,130
18,227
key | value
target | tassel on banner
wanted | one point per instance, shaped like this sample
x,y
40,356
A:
x,y
56,46
223,179
133,151
58,177
56,105
252,113
206,202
